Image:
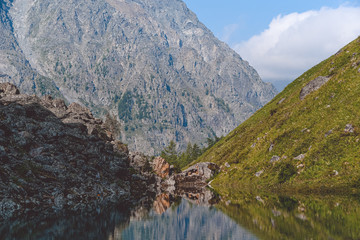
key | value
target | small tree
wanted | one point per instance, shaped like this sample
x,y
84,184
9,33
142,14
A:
x,y
169,153
196,152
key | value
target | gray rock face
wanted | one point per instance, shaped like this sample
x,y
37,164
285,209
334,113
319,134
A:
x,y
14,65
313,86
150,63
58,157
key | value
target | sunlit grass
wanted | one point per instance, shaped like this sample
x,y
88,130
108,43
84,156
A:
x,y
313,127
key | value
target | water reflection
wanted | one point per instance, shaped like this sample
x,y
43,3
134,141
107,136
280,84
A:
x,y
91,225
180,215
184,214
297,217
192,215
184,221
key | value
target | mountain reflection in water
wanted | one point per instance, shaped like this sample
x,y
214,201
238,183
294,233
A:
x,y
183,220
192,215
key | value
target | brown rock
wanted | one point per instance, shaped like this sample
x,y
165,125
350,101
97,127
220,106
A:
x,y
161,203
138,161
161,167
77,108
7,89
59,103
119,146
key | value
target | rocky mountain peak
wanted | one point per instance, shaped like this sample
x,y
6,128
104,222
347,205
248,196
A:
x,y
152,64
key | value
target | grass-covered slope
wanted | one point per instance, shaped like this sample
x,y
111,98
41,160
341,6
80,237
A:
x,y
288,127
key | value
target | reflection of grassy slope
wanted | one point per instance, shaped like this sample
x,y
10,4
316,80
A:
x,y
297,127
296,218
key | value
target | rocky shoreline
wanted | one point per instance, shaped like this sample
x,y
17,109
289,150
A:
x,y
56,157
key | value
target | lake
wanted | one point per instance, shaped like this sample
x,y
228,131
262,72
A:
x,y
201,216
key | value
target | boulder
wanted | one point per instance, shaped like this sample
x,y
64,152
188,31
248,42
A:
x,y
205,170
300,157
195,176
313,86
349,128
258,174
271,147
274,159
139,161
328,133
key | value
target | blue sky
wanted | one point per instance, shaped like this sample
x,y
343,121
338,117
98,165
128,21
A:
x,y
247,25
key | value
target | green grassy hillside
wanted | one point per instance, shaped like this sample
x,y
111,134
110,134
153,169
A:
x,y
311,144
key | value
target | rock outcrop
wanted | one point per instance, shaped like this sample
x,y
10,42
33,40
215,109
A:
x,y
313,86
195,177
54,157
150,63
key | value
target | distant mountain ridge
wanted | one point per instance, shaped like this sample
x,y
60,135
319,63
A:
x,y
150,63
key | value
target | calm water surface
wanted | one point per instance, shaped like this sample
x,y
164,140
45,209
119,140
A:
x,y
241,216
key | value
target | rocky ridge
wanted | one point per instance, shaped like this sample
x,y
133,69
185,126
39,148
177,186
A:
x,y
56,157
152,64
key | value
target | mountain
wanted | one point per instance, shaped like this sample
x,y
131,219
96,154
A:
x,y
151,64
306,138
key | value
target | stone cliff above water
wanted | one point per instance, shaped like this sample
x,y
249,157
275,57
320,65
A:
x,y
56,157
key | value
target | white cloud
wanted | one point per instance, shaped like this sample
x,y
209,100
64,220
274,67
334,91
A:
x,y
228,32
295,42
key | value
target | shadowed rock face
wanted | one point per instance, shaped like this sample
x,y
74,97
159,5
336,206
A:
x,y
151,63
54,157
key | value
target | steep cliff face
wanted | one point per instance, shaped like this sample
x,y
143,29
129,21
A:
x,y
14,67
151,63
56,157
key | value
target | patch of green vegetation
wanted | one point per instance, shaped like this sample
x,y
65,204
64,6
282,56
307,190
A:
x,y
221,104
287,170
314,127
132,105
125,106
45,86
143,107
181,160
